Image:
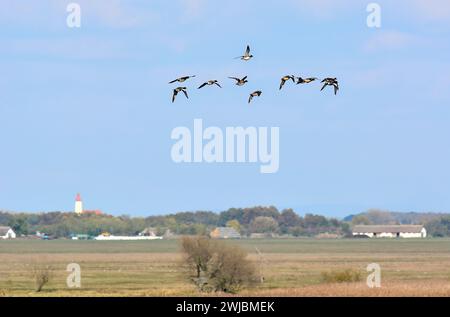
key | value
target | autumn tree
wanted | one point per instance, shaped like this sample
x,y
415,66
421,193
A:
x,y
264,225
197,251
217,266
380,217
288,219
229,269
360,220
234,224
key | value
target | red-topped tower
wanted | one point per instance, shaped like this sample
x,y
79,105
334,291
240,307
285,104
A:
x,y
78,204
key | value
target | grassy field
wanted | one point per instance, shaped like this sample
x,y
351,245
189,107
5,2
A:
x,y
290,267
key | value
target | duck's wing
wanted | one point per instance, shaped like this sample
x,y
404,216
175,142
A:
x,y
247,51
236,79
282,84
202,85
324,85
174,96
216,83
185,93
250,98
173,81
336,88
245,78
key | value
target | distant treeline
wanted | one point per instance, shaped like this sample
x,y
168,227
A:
x,y
248,221
262,220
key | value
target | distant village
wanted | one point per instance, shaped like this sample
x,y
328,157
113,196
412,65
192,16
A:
x,y
146,234
235,223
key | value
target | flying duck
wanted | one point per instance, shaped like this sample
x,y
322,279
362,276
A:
x,y
247,56
210,83
305,80
181,79
240,82
285,79
254,94
331,82
177,90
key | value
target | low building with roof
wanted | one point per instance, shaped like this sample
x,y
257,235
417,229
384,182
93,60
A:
x,y
390,231
225,233
148,232
7,233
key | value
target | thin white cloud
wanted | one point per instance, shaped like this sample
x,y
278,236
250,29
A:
x,y
435,10
421,10
117,13
51,13
84,47
193,8
324,8
391,40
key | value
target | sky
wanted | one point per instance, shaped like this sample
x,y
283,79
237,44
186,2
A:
x,y
89,109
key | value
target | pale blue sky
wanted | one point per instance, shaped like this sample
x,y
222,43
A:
x,y
88,110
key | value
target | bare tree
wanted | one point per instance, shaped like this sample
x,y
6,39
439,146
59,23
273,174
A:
x,y
42,275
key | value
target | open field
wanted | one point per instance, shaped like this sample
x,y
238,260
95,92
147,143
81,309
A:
x,y
290,267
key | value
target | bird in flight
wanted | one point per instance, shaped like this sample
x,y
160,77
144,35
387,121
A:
x,y
285,79
254,94
247,56
181,79
240,82
301,80
210,83
331,82
178,90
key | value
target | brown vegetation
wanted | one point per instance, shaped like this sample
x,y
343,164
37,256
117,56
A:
x,y
217,266
345,276
41,275
292,267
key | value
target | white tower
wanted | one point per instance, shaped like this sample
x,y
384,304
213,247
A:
x,y
78,205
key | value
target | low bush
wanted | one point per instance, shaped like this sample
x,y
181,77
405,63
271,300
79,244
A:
x,y
345,276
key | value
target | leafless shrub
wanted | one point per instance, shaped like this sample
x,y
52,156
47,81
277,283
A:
x,y
229,270
42,275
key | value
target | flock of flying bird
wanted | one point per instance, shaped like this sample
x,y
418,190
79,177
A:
x,y
242,81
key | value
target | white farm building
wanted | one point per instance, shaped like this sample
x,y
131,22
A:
x,y
7,233
390,231
109,237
